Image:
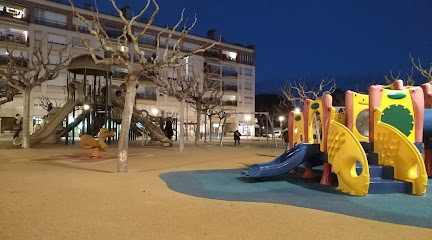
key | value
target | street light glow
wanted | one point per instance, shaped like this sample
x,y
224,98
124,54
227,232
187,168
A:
x,y
297,110
247,117
86,107
154,111
281,118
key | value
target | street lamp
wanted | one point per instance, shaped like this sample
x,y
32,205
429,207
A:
x,y
154,111
281,118
86,107
297,110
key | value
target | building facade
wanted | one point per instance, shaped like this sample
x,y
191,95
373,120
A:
x,y
52,21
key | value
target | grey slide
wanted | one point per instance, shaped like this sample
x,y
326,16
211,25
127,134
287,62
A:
x,y
154,130
53,123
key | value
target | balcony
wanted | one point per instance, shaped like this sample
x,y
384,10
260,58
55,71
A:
x,y
229,103
113,32
212,70
229,87
14,14
212,54
229,72
228,58
147,41
4,60
50,23
247,62
81,29
14,37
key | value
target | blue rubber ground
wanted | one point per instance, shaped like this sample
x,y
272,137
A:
x,y
291,189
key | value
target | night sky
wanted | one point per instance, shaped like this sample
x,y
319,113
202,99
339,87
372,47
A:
x,y
355,42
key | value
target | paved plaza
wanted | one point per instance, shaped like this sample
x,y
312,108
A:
x,y
58,192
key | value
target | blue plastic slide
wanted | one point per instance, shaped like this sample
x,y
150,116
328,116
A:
x,y
282,164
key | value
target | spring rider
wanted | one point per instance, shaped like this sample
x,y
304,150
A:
x,y
88,141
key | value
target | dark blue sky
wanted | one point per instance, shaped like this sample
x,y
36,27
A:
x,y
355,42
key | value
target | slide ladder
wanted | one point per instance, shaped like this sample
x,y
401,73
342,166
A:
x,y
396,150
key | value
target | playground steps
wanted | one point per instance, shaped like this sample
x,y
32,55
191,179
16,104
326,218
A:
x,y
382,181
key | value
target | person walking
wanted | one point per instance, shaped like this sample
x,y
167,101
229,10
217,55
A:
x,y
236,137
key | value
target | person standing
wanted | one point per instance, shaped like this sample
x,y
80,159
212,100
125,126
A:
x,y
168,129
17,125
286,139
237,137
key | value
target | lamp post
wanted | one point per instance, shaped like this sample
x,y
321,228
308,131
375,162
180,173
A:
x,y
281,118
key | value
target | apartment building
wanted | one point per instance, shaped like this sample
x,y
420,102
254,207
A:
x,y
52,21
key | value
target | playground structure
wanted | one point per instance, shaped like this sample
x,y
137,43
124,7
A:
x,y
373,147
92,103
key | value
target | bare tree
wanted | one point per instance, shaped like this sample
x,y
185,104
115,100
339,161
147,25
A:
x,y
205,95
426,73
24,73
391,79
121,47
298,93
176,84
7,93
409,81
220,112
44,102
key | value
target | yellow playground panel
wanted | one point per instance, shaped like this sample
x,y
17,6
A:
x,y
396,150
357,115
296,128
344,151
397,110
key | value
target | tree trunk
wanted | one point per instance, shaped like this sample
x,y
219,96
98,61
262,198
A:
x,y
219,126
198,128
26,119
182,130
122,165
205,127
211,127
223,131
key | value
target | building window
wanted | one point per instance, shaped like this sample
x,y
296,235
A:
x,y
57,39
148,39
229,100
51,19
76,42
172,43
229,56
189,47
246,59
146,93
82,26
53,60
248,72
229,86
247,86
113,32
16,12
228,71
